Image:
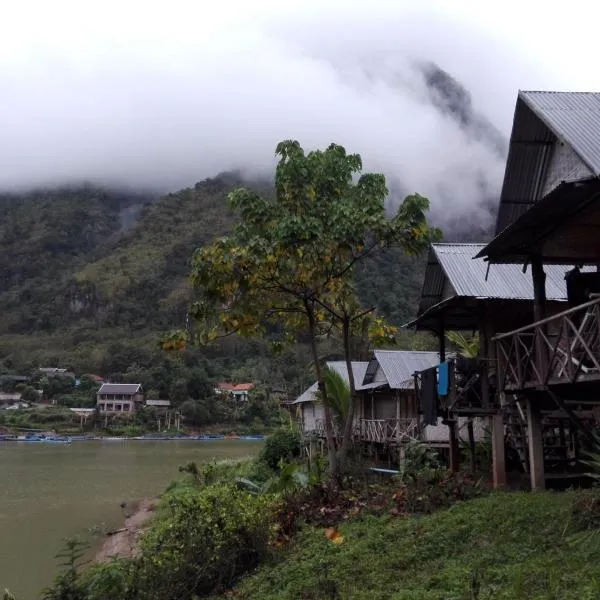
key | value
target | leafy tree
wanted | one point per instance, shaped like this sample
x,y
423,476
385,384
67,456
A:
x,y
287,269
29,394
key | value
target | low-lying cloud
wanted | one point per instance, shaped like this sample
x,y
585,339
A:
x,y
163,97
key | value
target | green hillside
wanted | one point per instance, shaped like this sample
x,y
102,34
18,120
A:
x,y
90,277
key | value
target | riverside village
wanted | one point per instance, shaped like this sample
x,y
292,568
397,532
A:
x,y
454,456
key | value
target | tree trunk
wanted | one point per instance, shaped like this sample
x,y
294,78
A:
x,y
349,424
334,471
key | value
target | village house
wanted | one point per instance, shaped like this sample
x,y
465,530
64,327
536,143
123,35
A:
x,y
119,397
387,411
11,400
56,372
549,369
237,392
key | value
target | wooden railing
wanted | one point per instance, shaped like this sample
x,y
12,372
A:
x,y
385,431
382,431
564,348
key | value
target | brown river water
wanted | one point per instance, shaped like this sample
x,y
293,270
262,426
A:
x,y
49,492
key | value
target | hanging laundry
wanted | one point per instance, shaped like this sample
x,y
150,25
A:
x,y
443,379
429,396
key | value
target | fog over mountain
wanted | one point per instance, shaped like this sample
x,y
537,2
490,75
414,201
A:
x,y
161,96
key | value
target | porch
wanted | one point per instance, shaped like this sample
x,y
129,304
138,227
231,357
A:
x,y
560,350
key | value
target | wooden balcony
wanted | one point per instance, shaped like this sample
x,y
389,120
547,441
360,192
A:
x,y
563,349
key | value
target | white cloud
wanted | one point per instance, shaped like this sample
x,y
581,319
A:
x,y
164,94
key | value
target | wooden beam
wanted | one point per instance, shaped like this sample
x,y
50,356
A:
x,y
442,339
536,449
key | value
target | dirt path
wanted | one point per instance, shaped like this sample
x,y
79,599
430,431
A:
x,y
124,541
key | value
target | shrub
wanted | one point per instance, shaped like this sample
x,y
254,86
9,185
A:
x,y
585,512
203,541
282,445
434,489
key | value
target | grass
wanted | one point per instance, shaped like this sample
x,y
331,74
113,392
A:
x,y
505,546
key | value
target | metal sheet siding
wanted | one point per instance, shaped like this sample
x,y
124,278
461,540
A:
x,y
399,366
508,282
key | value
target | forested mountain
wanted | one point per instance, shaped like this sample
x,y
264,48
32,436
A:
x,y
91,277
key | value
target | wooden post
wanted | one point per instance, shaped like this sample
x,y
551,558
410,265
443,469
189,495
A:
x,y
495,422
397,416
442,340
484,357
498,455
536,449
471,433
452,437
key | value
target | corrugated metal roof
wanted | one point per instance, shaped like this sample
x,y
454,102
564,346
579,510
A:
x,y
574,117
151,402
120,388
454,264
542,118
358,367
399,366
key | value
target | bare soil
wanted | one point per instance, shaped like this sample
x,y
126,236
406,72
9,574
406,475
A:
x,y
124,542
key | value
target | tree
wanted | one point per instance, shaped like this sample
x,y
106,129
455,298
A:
x,y
287,269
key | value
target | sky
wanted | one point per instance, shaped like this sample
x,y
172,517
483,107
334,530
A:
x,y
162,94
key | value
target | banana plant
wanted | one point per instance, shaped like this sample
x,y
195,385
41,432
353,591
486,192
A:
x,y
468,347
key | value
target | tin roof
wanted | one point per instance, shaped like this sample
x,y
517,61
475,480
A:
x,y
358,367
129,389
399,366
151,402
453,265
541,120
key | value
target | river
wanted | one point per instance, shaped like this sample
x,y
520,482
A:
x,y
52,491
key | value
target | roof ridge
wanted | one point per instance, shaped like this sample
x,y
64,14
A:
x,y
557,92
459,243
411,351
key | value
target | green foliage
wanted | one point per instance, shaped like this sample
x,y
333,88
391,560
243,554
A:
x,y
68,585
418,459
501,547
337,392
467,346
207,539
430,489
281,445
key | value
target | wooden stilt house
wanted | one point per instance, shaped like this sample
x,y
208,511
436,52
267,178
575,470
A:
x,y
549,215
461,293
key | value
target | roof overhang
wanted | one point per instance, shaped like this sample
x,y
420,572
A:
x,y
526,237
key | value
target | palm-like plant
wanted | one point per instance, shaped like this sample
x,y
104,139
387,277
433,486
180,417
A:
x,y
468,347
338,392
